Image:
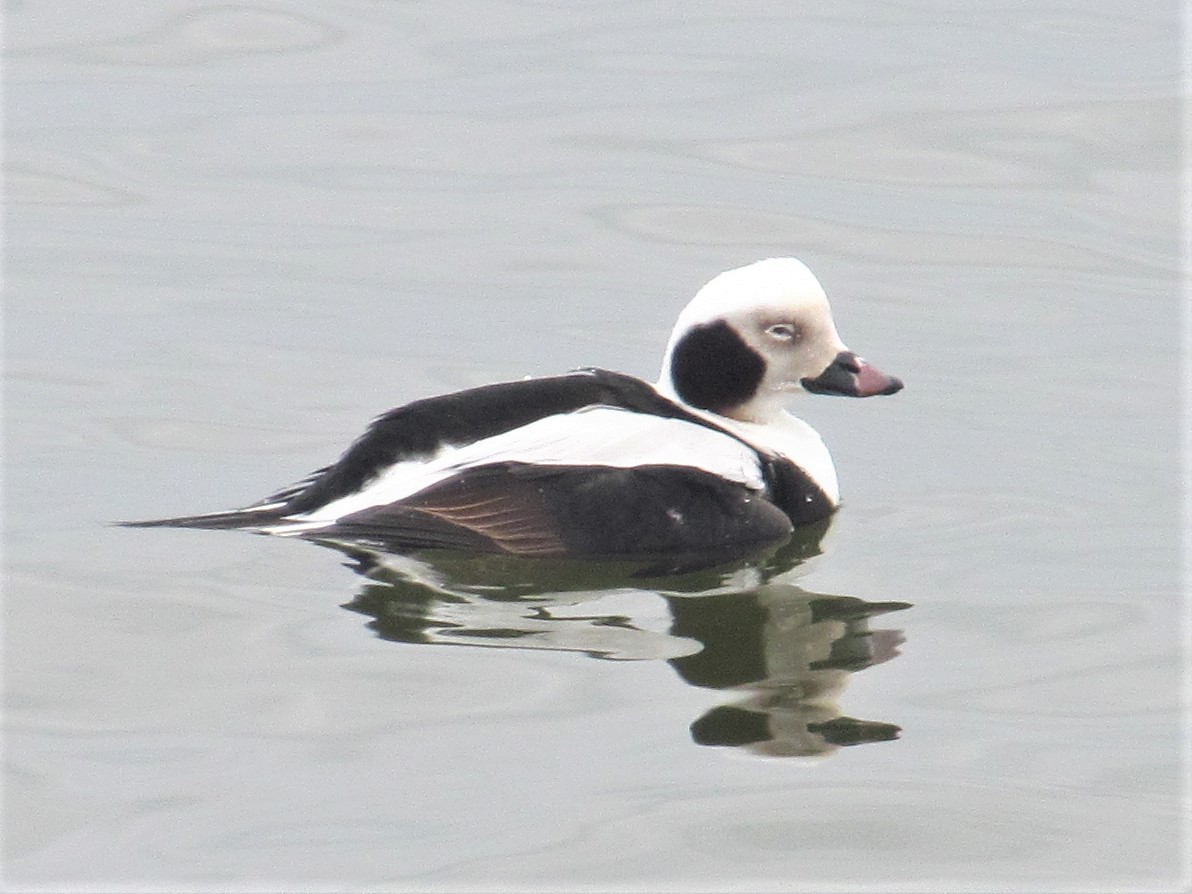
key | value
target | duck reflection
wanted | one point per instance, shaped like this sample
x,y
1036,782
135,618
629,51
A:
x,y
784,652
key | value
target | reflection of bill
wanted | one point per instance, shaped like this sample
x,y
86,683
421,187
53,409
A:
x,y
787,652
793,652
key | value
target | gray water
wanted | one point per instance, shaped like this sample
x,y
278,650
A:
x,y
235,233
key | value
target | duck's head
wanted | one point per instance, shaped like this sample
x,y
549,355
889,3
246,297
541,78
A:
x,y
753,336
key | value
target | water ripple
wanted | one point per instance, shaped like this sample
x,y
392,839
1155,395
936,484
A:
x,y
204,36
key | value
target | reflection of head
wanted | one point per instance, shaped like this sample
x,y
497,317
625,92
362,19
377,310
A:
x,y
802,731
794,650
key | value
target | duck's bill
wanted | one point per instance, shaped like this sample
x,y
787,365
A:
x,y
852,376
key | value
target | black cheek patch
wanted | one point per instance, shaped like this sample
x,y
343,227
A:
x,y
712,368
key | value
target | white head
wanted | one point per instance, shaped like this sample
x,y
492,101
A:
x,y
753,336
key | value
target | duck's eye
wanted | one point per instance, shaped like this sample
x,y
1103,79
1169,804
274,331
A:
x,y
782,331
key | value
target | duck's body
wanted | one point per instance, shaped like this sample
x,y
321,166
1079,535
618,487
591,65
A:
x,y
600,464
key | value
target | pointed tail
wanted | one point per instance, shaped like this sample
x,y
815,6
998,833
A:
x,y
217,521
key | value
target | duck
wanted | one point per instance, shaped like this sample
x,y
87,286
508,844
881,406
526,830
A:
x,y
595,464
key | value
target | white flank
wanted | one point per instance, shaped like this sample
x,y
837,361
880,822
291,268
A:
x,y
595,436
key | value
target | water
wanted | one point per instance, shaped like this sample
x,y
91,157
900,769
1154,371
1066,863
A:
x,y
235,233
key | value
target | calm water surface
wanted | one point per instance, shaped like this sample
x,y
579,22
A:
x,y
237,232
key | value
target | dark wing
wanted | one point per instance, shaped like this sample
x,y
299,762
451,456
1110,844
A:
x,y
579,512
490,509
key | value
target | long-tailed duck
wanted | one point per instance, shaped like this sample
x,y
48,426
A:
x,y
597,464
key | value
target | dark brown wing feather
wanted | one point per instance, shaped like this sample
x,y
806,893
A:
x,y
498,511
